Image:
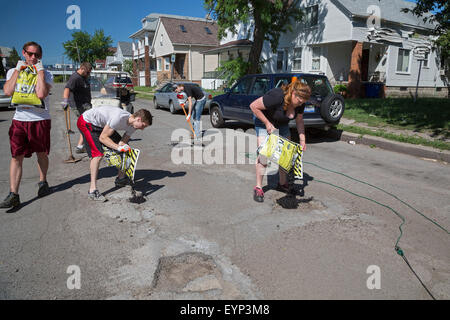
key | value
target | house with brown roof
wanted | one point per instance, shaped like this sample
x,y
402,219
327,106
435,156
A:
x,y
178,45
169,42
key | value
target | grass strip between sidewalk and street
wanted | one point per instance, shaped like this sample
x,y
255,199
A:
x,y
442,145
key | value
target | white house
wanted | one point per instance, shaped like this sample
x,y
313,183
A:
x,y
358,42
124,52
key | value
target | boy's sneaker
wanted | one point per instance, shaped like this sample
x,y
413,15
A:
x,y
11,201
44,189
96,196
258,194
79,149
122,182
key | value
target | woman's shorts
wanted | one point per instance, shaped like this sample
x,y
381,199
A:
x,y
261,130
26,137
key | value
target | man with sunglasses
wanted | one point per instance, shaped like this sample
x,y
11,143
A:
x,y
77,95
30,127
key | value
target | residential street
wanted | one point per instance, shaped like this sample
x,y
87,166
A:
x,y
200,234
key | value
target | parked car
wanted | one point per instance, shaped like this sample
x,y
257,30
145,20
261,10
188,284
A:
x,y
116,82
322,110
166,97
5,101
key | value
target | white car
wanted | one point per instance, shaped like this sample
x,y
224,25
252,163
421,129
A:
x,y
166,97
5,101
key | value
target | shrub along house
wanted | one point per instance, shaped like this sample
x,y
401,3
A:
x,y
361,44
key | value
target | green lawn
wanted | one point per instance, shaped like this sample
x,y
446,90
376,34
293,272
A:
x,y
426,114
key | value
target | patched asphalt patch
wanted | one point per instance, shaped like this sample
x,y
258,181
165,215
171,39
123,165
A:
x,y
187,272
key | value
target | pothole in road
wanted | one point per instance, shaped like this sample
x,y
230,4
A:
x,y
305,204
187,272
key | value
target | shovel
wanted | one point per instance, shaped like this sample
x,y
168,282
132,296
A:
x,y
71,158
192,129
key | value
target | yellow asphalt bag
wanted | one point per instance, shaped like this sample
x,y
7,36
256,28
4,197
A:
x,y
285,153
25,91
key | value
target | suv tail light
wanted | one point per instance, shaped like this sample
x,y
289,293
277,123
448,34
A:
x,y
210,97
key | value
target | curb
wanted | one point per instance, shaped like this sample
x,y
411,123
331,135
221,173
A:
x,y
406,148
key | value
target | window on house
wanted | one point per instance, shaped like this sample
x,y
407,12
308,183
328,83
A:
x,y
297,59
162,38
207,30
158,64
425,62
403,60
315,58
167,63
183,28
311,16
280,59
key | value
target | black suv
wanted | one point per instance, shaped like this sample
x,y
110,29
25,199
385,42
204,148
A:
x,y
322,110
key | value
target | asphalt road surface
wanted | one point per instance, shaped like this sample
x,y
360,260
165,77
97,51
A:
x,y
200,235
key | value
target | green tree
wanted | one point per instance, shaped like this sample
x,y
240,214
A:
x,y
271,18
233,70
440,10
13,58
127,66
2,69
84,47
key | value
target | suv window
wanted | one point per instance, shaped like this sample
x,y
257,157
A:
x,y
2,83
319,86
260,86
242,86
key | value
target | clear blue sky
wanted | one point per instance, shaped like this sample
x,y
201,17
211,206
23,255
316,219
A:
x,y
45,21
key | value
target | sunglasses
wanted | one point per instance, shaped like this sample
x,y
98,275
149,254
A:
x,y
36,54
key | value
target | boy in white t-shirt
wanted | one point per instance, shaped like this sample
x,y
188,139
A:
x,y
99,127
30,127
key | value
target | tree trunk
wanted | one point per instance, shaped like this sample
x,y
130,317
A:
x,y
255,51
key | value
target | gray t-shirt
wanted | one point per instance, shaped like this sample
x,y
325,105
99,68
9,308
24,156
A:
x,y
80,90
114,117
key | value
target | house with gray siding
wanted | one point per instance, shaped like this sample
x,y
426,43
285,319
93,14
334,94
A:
x,y
360,43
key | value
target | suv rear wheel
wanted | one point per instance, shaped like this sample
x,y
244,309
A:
x,y
332,108
216,117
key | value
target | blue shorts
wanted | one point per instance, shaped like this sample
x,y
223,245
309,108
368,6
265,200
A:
x,y
261,130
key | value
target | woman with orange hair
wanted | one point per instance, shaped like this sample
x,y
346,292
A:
x,y
272,112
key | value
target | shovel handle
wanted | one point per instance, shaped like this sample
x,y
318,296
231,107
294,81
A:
x,y
189,121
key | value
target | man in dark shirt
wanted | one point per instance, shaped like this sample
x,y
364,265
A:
x,y
77,95
194,92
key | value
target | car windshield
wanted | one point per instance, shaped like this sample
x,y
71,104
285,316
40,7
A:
x,y
2,83
96,84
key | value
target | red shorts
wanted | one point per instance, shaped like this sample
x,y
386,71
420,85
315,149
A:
x,y
91,135
26,137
